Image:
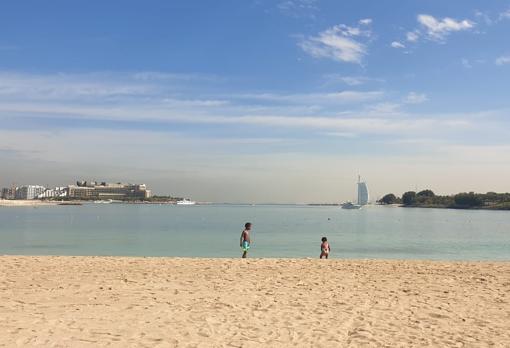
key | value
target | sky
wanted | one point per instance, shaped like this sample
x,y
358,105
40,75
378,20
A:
x,y
276,101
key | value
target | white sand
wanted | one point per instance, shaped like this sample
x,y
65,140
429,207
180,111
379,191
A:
x,y
24,203
168,302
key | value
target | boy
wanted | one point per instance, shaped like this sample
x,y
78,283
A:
x,y
245,239
325,249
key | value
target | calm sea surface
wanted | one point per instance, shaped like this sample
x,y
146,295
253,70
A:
x,y
279,231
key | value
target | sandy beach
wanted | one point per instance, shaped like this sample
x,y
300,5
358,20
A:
x,y
24,203
172,302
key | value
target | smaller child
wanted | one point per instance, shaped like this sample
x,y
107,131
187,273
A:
x,y
325,249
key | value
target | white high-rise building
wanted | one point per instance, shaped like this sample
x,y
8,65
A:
x,y
29,191
363,196
53,193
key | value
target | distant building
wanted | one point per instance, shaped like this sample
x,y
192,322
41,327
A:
x,y
103,191
8,193
29,191
57,192
363,196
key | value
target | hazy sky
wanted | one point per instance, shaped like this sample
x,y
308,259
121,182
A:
x,y
257,100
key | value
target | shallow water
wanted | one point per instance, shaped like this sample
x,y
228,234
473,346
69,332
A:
x,y
279,231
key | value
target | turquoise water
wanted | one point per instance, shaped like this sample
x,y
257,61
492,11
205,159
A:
x,y
279,231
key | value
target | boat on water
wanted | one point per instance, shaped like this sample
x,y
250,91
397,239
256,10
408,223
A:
x,y
108,201
363,196
186,202
350,205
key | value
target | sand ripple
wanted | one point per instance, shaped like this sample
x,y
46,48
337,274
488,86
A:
x,y
170,302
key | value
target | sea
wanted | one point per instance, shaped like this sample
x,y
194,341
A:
x,y
289,231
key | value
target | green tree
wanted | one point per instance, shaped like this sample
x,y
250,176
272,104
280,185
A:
x,y
409,198
390,198
426,193
468,200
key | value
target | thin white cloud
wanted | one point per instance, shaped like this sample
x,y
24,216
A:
x,y
365,21
160,76
415,98
484,17
466,64
359,122
490,19
355,122
437,29
343,97
298,8
349,80
341,43
68,86
341,134
324,111
412,36
503,60
384,109
504,15
101,88
194,102
352,80
397,44
153,95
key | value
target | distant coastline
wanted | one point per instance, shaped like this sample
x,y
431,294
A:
x,y
464,200
46,202
85,192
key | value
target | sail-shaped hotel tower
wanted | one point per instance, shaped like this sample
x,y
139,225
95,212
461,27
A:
x,y
363,196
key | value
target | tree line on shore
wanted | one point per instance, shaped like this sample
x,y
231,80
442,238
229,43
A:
x,y
465,200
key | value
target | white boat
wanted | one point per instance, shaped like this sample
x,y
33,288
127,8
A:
x,y
108,201
186,202
350,205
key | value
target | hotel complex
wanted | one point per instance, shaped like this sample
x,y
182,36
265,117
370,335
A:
x,y
363,196
29,191
22,192
83,190
102,191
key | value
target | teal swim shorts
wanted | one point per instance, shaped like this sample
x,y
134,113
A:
x,y
245,246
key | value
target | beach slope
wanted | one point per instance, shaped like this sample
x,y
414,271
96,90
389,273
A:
x,y
97,301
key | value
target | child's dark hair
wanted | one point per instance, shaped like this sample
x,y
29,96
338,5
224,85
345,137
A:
x,y
324,239
247,225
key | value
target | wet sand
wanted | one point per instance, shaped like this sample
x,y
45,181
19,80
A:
x,y
173,302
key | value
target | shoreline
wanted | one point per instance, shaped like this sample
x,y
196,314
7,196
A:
x,y
25,203
37,203
455,207
140,301
262,258
442,207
